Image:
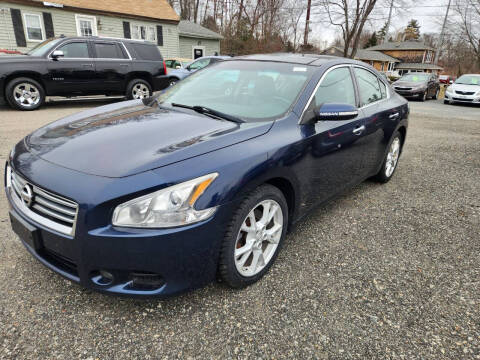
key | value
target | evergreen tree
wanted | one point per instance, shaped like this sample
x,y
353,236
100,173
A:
x,y
412,31
382,32
372,41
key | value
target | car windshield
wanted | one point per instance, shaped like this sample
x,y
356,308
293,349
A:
x,y
468,80
250,90
414,77
44,47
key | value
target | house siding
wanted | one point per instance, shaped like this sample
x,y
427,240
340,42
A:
x,y
212,46
64,23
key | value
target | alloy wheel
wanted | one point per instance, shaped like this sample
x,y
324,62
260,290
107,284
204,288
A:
x,y
392,157
140,91
258,238
26,95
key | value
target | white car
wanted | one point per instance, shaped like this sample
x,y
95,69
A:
x,y
466,89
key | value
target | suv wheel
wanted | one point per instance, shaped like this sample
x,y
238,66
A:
x,y
254,237
138,89
435,97
24,94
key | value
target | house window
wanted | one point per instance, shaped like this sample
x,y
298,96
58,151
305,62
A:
x,y
86,25
144,32
33,27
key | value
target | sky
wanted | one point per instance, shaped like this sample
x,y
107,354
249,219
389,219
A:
x,y
429,14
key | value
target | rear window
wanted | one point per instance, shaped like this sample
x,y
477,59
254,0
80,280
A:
x,y
108,51
146,52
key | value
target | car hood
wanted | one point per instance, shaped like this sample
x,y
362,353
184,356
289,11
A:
x,y
465,88
17,58
127,138
409,83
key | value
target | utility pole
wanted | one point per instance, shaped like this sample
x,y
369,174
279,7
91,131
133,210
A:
x,y
307,24
442,34
387,27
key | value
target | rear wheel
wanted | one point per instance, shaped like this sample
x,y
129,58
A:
x,y
25,94
138,89
173,81
254,237
390,161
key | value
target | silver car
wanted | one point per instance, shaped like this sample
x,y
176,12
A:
x,y
466,89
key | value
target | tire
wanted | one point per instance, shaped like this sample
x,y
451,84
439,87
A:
x,y
386,173
138,89
446,102
435,97
24,94
424,96
231,270
173,81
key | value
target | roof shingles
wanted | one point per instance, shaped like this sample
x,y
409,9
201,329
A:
x,y
153,9
191,29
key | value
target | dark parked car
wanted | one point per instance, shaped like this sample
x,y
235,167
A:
x,y
82,66
189,69
418,85
158,196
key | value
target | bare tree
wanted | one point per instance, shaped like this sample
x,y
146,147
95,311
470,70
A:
x,y
350,16
469,14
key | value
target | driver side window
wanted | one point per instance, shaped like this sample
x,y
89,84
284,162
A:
x,y
75,50
337,88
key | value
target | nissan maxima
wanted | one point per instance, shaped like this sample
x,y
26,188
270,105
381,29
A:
x,y
201,182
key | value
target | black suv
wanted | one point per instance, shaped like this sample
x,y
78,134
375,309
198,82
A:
x,y
73,66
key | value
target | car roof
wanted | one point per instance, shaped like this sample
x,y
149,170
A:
x,y
103,38
301,59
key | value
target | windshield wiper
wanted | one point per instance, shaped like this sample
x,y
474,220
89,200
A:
x,y
214,113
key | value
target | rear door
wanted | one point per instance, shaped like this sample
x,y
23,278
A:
x,y
112,66
74,73
378,115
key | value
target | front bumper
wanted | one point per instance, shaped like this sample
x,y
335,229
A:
x,y
467,99
139,262
416,93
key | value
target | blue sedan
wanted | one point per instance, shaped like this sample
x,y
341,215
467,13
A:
x,y
164,195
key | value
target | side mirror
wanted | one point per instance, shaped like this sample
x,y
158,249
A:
x,y
57,54
177,66
450,82
335,112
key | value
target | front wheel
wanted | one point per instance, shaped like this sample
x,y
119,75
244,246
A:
x,y
435,97
25,94
391,159
253,237
138,89
424,96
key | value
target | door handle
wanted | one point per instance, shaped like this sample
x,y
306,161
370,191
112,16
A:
x,y
87,65
359,130
393,116
124,65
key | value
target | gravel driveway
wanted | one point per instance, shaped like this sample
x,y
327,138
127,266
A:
x,y
385,271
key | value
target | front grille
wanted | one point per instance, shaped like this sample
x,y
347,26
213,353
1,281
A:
x,y
459,99
51,210
402,88
464,92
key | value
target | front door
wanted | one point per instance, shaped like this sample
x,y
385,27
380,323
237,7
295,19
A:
x,y
198,51
335,148
74,73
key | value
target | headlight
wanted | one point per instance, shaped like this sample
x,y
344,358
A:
x,y
169,207
449,89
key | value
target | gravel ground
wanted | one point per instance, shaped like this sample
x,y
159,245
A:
x,y
385,271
